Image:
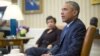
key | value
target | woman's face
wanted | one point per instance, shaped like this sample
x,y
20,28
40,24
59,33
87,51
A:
x,y
50,23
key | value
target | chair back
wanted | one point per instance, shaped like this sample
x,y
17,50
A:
x,y
88,41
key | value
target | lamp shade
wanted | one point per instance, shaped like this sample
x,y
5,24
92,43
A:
x,y
13,12
4,3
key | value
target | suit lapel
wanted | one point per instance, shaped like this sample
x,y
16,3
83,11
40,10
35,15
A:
x,y
64,33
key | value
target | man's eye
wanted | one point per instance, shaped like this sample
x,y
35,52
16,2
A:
x,y
65,9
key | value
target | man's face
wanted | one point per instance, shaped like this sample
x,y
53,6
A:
x,y
67,13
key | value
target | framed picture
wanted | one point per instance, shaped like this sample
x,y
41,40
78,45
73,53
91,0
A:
x,y
14,1
95,2
2,10
32,6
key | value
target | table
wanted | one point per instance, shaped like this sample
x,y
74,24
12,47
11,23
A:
x,y
97,37
11,42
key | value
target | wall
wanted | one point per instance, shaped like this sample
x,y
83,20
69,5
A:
x,y
53,7
50,7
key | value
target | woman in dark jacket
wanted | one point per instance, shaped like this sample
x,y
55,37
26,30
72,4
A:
x,y
50,35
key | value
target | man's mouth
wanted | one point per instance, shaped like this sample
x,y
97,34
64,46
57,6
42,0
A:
x,y
62,16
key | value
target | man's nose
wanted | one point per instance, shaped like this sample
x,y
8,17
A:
x,y
62,13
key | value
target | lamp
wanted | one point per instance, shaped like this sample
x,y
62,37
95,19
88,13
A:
x,y
4,3
13,13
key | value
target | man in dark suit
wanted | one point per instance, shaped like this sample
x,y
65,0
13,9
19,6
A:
x,y
72,36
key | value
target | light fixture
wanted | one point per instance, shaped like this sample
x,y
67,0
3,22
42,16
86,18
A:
x,y
4,3
14,14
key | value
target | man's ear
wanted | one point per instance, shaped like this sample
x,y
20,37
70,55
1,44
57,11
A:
x,y
75,13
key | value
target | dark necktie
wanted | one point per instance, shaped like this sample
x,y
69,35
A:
x,y
63,34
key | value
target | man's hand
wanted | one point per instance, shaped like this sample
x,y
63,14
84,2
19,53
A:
x,y
49,46
46,55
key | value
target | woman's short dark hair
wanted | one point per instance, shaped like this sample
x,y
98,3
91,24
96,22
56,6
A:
x,y
94,21
51,17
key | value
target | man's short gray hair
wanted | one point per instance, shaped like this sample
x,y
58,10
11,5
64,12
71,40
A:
x,y
75,5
